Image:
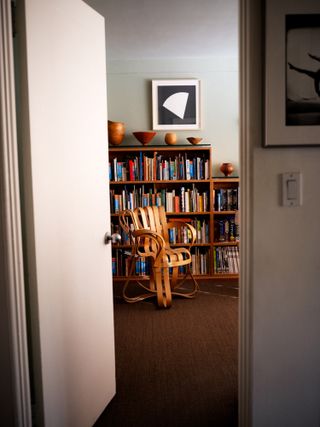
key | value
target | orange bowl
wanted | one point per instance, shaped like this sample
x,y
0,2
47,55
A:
x,y
193,140
144,137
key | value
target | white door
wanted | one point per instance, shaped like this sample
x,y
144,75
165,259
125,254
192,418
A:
x,y
63,134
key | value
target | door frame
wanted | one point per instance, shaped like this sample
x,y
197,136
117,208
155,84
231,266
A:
x,y
249,12
12,274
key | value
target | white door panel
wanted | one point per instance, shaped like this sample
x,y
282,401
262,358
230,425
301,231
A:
x,y
67,210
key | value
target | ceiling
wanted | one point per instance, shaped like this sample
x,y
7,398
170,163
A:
x,y
150,29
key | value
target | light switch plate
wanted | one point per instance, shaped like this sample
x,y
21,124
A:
x,y
292,189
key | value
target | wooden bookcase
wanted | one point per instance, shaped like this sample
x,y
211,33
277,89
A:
x,y
226,237
180,178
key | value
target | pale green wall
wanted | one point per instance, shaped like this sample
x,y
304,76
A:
x,y
130,100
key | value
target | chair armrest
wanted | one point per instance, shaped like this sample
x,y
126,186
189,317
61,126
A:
x,y
179,224
142,234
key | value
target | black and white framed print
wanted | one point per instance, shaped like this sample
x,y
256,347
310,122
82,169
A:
x,y
292,73
303,71
176,104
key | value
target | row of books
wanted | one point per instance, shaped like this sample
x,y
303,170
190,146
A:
x,y
144,168
176,234
200,262
226,230
182,200
121,264
226,199
226,260
183,234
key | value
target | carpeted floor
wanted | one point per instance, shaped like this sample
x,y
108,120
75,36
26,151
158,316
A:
x,y
176,367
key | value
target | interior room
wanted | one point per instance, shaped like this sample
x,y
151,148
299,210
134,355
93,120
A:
x,y
148,43
58,324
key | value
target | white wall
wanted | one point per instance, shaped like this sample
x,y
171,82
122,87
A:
x,y
130,100
286,275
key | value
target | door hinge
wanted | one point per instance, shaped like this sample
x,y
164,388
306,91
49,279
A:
x,y
13,19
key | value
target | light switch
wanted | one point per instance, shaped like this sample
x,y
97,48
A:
x,y
291,189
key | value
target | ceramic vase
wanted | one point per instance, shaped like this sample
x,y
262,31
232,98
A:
x,y
116,131
227,168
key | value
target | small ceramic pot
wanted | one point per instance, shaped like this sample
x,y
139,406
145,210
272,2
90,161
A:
x,y
170,138
116,131
227,168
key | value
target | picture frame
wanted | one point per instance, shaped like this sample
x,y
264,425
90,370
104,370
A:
x,y
176,104
292,74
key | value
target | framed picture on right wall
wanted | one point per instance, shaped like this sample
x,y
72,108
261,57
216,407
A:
x,y
292,73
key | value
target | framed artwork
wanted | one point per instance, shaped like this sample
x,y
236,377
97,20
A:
x,y
176,104
292,73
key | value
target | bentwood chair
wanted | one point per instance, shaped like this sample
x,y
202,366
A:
x,y
148,230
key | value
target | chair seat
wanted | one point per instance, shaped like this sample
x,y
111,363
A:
x,y
149,237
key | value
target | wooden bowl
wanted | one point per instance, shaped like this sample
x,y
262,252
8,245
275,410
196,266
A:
x,y
193,140
144,137
170,138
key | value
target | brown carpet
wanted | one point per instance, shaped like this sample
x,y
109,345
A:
x,y
176,367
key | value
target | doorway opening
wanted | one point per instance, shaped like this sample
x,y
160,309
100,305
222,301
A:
x,y
130,101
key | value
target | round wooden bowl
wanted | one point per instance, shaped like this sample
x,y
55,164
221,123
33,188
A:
x,y
193,140
170,138
144,137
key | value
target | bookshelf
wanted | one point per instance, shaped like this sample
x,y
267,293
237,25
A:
x,y
178,177
226,236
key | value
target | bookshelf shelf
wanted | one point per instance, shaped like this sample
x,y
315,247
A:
x,y
178,177
182,214
225,212
167,181
227,276
226,180
170,213
228,243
